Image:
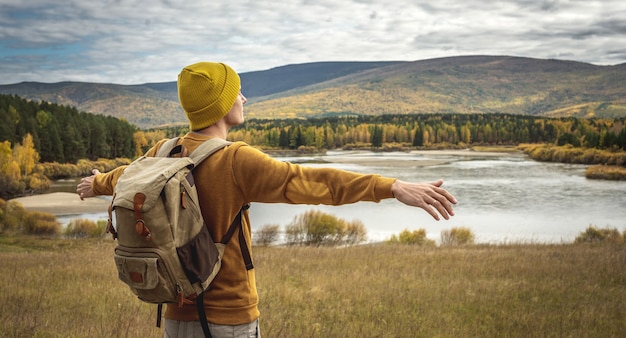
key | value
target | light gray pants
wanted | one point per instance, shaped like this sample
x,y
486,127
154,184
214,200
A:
x,y
179,329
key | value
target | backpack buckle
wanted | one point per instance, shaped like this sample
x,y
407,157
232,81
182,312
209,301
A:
x,y
140,225
142,229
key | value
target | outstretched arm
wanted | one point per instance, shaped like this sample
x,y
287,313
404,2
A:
x,y
428,196
104,184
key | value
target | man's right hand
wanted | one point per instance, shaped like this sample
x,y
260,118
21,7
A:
x,y
428,196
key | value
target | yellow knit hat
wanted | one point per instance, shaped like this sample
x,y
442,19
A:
x,y
207,91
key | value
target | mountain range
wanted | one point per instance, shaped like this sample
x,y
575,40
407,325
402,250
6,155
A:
x,y
463,84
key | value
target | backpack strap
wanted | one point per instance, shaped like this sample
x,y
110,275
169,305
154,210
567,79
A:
x,y
167,147
207,148
246,258
202,315
204,150
237,223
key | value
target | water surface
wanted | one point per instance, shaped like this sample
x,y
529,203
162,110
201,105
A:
x,y
503,198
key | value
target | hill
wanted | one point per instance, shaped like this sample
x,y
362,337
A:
x,y
464,84
472,84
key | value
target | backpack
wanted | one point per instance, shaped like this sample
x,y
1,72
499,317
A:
x,y
165,253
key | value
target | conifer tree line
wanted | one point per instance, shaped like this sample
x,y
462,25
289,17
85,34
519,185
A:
x,y
62,133
428,130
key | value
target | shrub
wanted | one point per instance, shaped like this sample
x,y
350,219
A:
x,y
3,207
10,187
415,237
14,218
596,235
80,228
457,236
267,235
318,228
321,228
355,233
393,146
307,149
37,182
606,172
41,223
295,233
13,215
84,167
57,170
569,154
102,227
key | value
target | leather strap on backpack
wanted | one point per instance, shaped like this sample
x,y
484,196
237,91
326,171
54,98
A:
x,y
140,225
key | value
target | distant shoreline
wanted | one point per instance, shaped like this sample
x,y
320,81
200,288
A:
x,y
384,161
63,203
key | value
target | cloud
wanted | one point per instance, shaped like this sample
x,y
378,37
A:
x,y
123,41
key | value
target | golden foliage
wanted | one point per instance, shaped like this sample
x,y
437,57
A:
x,y
317,228
415,237
25,155
41,223
457,236
79,228
606,172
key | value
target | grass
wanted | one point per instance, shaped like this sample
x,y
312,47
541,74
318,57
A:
x,y
606,172
496,149
570,154
69,288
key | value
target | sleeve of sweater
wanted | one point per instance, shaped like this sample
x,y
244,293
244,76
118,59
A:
x,y
104,184
264,179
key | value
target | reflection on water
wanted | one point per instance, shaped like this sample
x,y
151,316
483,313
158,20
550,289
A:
x,y
66,185
506,198
69,185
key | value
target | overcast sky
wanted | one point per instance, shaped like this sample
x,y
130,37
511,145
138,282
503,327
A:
x,y
134,42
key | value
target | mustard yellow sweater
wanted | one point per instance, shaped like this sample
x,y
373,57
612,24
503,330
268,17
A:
x,y
240,174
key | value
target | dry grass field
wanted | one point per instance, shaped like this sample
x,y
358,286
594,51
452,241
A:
x,y
69,288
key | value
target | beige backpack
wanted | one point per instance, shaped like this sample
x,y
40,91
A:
x,y
165,253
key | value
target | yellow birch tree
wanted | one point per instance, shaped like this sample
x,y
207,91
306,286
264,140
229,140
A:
x,y
26,155
8,167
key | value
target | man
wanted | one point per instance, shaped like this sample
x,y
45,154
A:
x,y
240,174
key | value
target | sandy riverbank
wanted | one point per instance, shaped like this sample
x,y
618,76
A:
x,y
63,203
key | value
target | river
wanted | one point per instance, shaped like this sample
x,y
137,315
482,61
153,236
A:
x,y
503,197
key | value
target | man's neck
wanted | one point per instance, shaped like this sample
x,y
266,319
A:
x,y
216,130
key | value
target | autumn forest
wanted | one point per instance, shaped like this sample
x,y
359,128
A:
x,y
56,136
